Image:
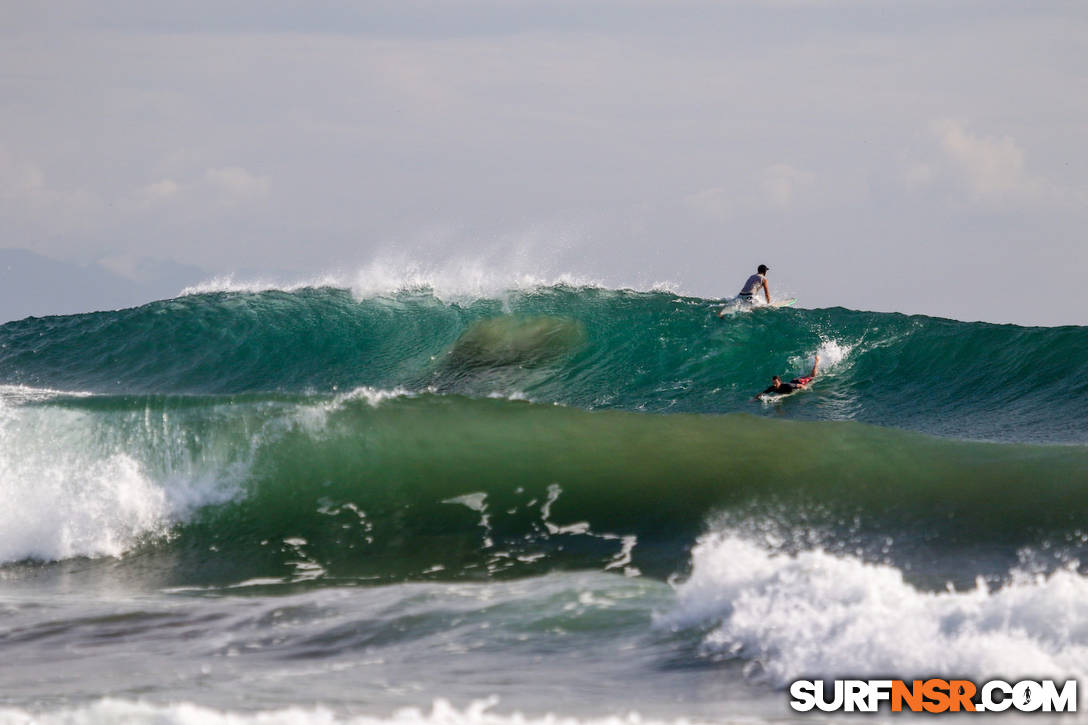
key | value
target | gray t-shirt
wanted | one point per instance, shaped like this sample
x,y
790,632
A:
x,y
753,285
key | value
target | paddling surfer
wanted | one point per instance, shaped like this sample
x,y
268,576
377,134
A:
x,y
780,388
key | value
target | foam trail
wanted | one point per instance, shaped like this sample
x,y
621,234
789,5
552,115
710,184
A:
x,y
26,394
441,713
816,614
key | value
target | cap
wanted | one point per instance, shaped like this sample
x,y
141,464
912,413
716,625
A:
x,y
762,268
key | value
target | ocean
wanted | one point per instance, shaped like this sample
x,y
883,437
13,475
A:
x,y
553,504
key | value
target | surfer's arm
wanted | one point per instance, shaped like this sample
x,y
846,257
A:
x,y
766,291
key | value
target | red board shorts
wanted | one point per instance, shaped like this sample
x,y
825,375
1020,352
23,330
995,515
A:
x,y
802,381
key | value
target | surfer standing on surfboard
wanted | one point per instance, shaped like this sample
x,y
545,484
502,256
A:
x,y
751,287
780,388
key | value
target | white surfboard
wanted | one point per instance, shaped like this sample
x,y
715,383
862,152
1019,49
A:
x,y
736,304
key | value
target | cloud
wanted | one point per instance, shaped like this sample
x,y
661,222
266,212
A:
x,y
990,171
236,184
19,179
227,185
26,190
992,167
150,198
781,183
156,193
919,175
164,189
775,187
716,202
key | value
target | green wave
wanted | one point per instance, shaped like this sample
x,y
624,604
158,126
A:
x,y
582,347
348,488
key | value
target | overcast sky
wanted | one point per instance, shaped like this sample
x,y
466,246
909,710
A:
x,y
922,156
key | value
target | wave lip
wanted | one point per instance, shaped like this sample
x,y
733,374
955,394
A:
x,y
228,283
461,282
817,615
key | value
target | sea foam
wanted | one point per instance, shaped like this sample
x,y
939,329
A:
x,y
817,614
76,488
440,713
94,483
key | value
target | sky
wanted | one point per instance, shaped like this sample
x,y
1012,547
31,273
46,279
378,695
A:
x,y
923,157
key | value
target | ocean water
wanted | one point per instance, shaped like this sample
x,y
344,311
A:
x,y
556,503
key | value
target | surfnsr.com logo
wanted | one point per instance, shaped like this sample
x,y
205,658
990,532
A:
x,y
934,696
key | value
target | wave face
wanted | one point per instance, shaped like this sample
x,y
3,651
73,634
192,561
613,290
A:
x,y
356,486
589,348
309,435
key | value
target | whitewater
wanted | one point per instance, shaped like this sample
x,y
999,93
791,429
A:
x,y
471,500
